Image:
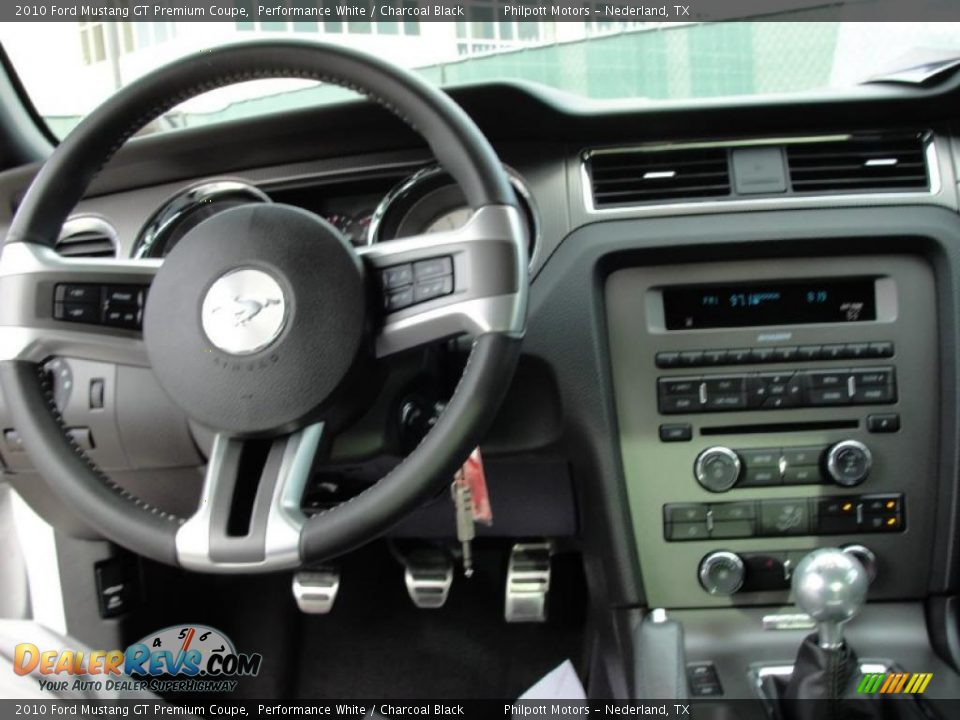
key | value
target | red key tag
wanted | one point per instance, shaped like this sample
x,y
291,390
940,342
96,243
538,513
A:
x,y
473,476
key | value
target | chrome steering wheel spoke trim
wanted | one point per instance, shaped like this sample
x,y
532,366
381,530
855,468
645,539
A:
x,y
272,541
29,274
489,287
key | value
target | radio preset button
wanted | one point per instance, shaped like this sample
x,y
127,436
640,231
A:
x,y
809,352
691,358
832,352
667,359
740,356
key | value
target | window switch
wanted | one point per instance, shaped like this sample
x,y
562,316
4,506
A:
x,y
96,393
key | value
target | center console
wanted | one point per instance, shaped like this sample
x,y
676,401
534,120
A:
x,y
770,407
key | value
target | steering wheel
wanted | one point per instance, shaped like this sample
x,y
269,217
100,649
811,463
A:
x,y
261,322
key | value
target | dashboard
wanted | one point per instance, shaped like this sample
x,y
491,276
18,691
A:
x,y
723,369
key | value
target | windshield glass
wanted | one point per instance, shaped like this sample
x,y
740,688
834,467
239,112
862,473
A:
x,y
69,68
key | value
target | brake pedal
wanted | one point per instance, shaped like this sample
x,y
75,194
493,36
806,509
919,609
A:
x,y
316,590
428,577
528,582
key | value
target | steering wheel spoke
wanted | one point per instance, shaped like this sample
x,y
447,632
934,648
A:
x,y
438,285
82,307
249,518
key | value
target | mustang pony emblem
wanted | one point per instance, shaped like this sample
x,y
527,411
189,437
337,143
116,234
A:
x,y
245,310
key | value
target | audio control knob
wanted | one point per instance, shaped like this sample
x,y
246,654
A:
x,y
849,462
721,573
717,469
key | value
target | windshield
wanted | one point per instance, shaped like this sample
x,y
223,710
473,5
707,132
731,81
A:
x,y
69,68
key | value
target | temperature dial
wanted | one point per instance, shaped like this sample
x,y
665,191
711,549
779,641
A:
x,y
717,469
721,573
849,463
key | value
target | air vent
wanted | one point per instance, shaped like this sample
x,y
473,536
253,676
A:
x,y
87,236
889,162
644,176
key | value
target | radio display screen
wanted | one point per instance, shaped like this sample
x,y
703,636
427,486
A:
x,y
784,302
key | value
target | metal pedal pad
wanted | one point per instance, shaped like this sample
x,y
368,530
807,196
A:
x,y
528,582
316,590
428,577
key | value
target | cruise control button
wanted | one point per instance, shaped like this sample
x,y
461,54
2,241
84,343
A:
x,y
123,317
429,289
124,295
397,276
77,293
400,299
433,267
77,312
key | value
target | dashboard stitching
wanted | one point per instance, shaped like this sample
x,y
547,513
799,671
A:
x,y
121,491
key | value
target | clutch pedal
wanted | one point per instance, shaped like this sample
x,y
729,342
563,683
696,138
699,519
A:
x,y
316,590
528,582
428,576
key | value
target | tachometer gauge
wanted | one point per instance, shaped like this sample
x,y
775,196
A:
x,y
450,220
430,202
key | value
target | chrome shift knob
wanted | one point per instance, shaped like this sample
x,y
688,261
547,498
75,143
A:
x,y
830,586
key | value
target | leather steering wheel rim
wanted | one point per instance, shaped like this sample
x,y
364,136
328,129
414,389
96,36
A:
x,y
61,183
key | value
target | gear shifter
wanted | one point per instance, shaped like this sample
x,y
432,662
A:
x,y
830,585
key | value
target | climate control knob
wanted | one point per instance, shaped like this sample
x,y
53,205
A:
x,y
849,463
717,469
721,573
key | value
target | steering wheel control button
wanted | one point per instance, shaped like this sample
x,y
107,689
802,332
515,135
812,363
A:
x,y
717,469
119,306
78,293
679,432
434,267
721,573
432,288
397,276
257,346
400,299
849,463
244,311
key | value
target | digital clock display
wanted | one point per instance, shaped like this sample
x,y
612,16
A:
x,y
786,302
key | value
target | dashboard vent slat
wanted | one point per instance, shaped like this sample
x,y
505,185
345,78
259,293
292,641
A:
x,y
87,236
883,163
642,176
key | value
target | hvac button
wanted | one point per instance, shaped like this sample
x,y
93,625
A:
x,y
685,513
886,423
784,517
687,531
733,511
